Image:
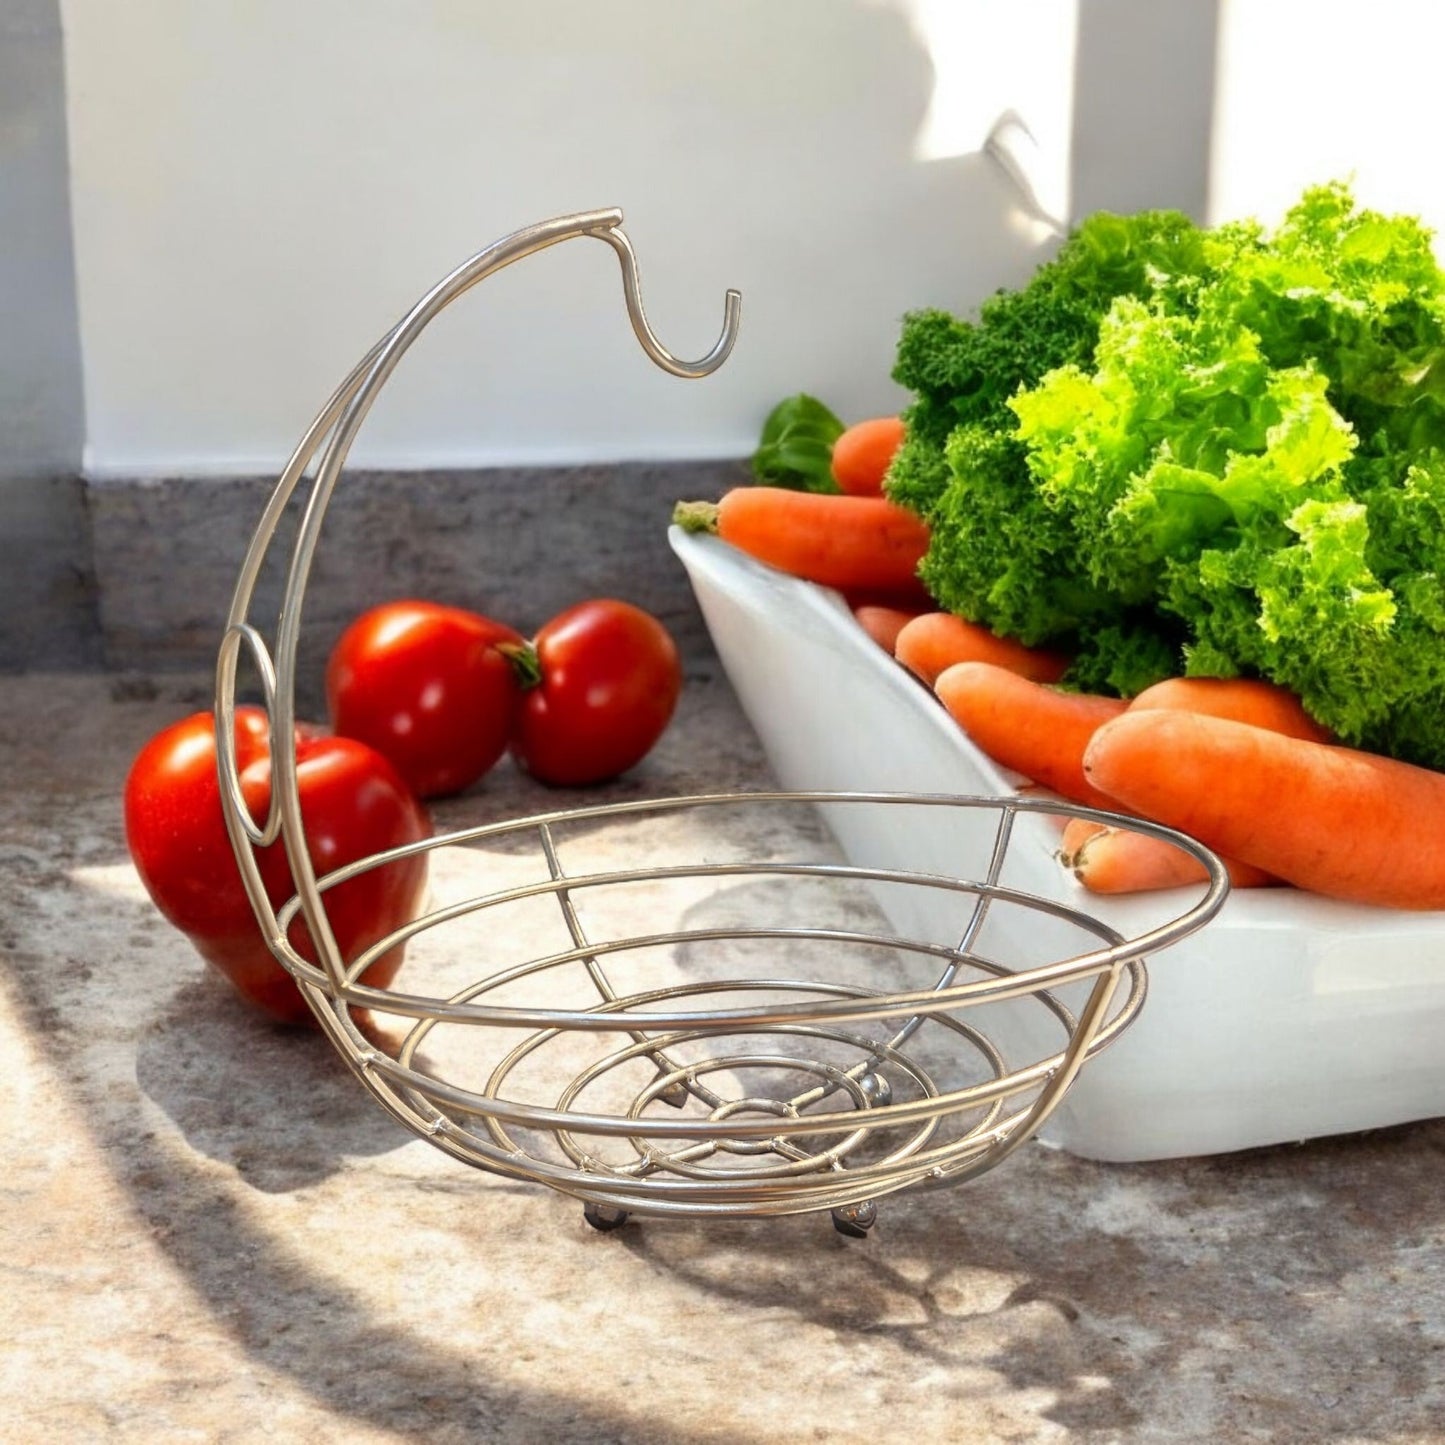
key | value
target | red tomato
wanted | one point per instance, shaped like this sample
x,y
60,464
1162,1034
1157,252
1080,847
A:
x,y
353,804
426,687
607,683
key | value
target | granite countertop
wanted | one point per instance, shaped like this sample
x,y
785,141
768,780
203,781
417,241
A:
x,y
213,1234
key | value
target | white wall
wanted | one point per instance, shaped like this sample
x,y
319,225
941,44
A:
x,y
41,426
1315,89
259,189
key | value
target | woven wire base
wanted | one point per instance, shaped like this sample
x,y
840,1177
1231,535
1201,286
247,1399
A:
x,y
740,1035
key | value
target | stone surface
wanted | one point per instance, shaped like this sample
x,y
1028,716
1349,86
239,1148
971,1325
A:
x,y
517,543
211,1233
48,612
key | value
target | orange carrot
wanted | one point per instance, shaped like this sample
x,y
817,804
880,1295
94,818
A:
x,y
1107,859
837,541
1031,728
1327,818
862,454
936,641
1241,699
1121,861
882,623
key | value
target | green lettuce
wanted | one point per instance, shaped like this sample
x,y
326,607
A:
x,y
1210,452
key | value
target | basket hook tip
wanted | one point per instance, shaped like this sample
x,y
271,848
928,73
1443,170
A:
x,y
616,237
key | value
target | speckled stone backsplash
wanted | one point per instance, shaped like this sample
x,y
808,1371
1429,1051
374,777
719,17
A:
x,y
518,544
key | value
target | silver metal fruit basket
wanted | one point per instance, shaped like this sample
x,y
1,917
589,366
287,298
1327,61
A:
x,y
750,1026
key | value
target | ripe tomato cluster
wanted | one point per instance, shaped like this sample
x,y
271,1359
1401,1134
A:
x,y
443,692
353,804
424,700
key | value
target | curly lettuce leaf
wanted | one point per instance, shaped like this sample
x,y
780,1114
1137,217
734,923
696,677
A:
x,y
1232,463
964,372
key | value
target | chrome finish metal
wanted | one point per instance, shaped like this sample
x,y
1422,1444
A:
x,y
643,1073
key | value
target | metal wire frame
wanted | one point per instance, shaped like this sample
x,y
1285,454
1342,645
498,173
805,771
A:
x,y
477,1125
684,1161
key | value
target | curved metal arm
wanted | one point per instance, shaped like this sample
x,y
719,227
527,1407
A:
x,y
332,434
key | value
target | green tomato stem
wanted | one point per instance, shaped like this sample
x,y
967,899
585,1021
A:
x,y
526,665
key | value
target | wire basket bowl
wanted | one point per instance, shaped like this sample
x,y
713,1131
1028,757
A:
x,y
751,1027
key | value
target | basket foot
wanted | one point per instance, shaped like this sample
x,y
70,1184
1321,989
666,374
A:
x,y
855,1220
603,1217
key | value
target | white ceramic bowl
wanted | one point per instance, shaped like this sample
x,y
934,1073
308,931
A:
x,y
1288,1017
